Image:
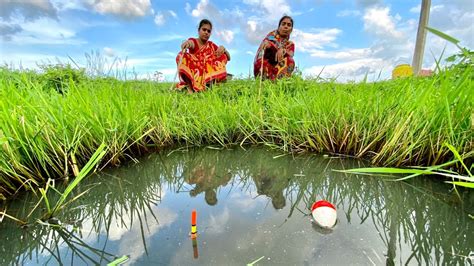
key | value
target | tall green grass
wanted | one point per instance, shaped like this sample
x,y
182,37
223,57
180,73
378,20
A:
x,y
402,122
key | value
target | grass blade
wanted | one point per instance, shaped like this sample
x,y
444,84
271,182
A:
x,y
118,261
443,35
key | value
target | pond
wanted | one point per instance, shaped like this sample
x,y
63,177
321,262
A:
x,y
251,204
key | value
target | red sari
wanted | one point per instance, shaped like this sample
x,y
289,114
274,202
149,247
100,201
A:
x,y
200,66
271,68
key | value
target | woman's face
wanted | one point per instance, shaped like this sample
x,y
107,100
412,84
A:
x,y
205,32
285,27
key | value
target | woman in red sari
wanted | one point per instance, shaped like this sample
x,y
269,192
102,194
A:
x,y
203,63
276,51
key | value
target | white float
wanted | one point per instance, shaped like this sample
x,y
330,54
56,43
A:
x,y
324,214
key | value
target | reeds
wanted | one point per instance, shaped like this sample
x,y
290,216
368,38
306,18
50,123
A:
x,y
402,122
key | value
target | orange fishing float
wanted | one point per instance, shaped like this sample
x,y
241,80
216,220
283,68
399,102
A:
x,y
194,224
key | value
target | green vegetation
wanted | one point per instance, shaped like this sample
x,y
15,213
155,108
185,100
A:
x,y
61,202
61,77
457,179
402,122
52,123
461,63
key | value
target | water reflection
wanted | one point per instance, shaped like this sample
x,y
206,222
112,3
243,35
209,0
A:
x,y
203,176
271,180
250,204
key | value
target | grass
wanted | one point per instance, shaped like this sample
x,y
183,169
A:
x,y
46,135
457,179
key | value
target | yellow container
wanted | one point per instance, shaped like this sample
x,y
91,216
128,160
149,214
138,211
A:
x,y
404,70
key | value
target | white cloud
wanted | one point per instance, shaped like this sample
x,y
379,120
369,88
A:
x,y
125,9
454,20
109,52
160,19
348,13
255,31
347,54
28,9
317,39
47,28
163,16
224,21
203,9
387,49
8,30
267,14
255,28
393,44
173,14
188,8
62,5
225,35
13,13
415,9
378,21
352,70
273,8
46,31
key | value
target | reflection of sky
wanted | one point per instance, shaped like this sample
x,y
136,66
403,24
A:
x,y
126,230
131,242
243,229
218,223
245,203
242,226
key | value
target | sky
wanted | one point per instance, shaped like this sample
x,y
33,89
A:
x,y
346,40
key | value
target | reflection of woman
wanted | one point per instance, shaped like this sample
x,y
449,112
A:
x,y
276,51
204,63
206,180
271,187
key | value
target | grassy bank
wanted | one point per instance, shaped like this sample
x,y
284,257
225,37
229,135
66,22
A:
x,y
45,134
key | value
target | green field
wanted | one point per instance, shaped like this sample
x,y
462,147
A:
x,y
406,122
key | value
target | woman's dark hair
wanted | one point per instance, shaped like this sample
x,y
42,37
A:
x,y
279,23
208,22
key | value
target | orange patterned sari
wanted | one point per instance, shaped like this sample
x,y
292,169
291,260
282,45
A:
x,y
200,66
271,68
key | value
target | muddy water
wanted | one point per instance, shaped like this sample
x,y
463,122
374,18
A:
x,y
251,204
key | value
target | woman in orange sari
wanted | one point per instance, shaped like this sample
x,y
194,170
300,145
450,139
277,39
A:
x,y
203,63
275,53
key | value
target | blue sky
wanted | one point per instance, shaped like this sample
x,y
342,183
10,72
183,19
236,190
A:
x,y
343,39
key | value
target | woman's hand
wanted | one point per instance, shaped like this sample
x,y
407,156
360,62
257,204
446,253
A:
x,y
187,45
280,55
220,51
267,44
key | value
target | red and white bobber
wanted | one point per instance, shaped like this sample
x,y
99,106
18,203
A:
x,y
324,213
